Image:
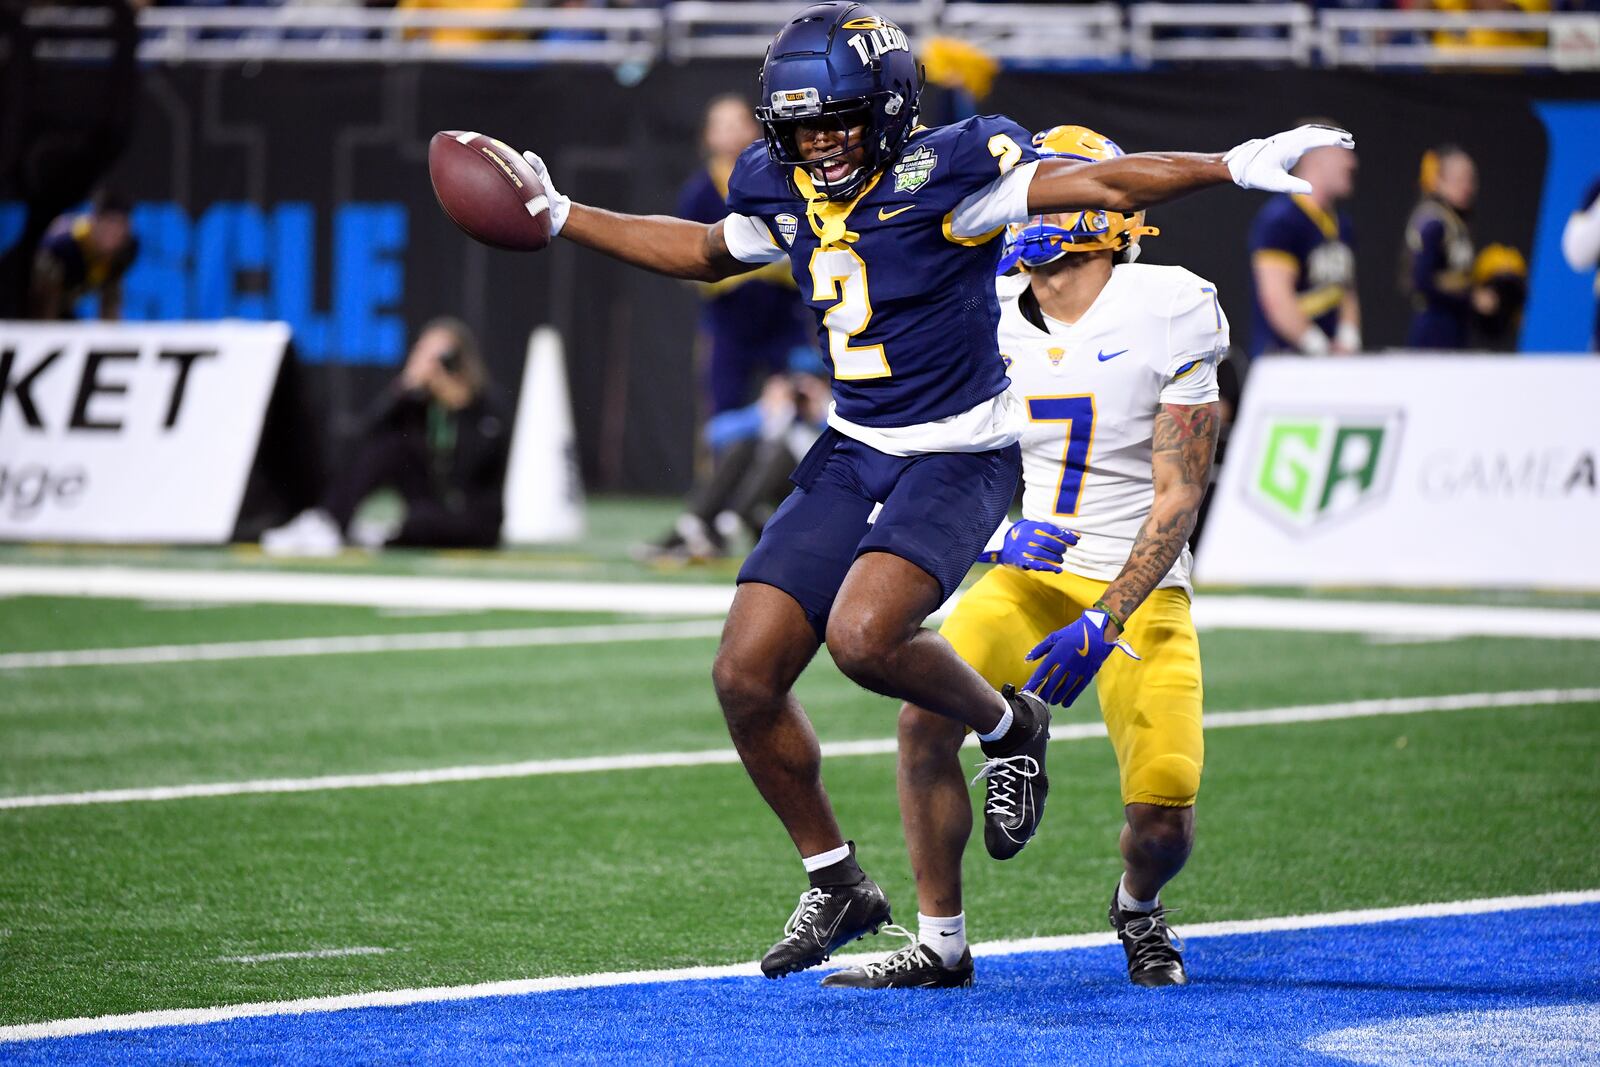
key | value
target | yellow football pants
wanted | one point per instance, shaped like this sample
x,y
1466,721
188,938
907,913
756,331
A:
x,y
1151,705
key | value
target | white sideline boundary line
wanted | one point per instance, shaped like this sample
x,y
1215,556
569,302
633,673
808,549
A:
x,y
522,987
1301,713
449,640
662,598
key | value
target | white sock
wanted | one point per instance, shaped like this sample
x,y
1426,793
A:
x,y
825,859
1000,727
947,937
1127,903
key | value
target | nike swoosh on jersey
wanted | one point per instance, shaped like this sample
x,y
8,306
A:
x,y
884,214
1103,356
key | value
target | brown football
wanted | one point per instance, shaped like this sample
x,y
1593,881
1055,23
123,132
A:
x,y
489,190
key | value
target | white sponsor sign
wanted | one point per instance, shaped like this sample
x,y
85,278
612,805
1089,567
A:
x,y
131,432
1412,471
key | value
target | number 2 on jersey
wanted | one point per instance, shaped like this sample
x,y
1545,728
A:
x,y
1078,413
840,275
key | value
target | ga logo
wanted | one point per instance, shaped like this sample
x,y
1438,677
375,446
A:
x,y
1312,467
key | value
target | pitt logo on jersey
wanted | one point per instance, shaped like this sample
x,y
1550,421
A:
x,y
880,37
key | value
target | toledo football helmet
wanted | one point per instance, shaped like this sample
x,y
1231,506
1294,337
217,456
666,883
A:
x,y
1037,241
839,64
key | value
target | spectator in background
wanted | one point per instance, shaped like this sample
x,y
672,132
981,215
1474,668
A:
x,y
438,437
1302,262
83,255
758,447
1439,255
1580,243
749,324
455,37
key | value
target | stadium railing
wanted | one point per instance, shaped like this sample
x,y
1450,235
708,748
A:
x,y
1140,34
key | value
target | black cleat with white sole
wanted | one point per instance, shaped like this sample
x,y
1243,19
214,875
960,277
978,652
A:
x,y
826,918
916,966
1155,953
1017,784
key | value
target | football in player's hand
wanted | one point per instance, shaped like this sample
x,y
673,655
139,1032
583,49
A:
x,y
489,190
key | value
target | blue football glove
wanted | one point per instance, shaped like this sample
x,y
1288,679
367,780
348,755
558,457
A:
x,y
1033,546
1070,657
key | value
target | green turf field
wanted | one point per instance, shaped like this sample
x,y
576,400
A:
x,y
131,906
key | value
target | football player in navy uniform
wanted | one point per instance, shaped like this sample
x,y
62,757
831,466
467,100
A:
x,y
1303,264
890,231
1439,254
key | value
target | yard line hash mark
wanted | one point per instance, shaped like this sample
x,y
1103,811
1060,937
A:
x,y
148,1020
1302,713
310,954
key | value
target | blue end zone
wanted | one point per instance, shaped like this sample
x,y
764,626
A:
x,y
1255,998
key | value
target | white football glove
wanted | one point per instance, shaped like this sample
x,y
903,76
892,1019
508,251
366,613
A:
x,y
1264,163
559,205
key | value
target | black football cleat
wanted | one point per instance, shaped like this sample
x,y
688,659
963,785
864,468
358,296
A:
x,y
1017,783
916,966
826,918
1155,953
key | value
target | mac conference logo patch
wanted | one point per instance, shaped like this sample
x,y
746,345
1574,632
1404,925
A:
x,y
788,226
1312,467
914,169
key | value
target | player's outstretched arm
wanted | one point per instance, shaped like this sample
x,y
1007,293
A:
x,y
1136,182
1185,442
674,247
677,248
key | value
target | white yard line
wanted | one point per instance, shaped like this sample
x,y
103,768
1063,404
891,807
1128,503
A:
x,y
479,594
311,954
366,590
1386,624
521,987
1301,713
451,640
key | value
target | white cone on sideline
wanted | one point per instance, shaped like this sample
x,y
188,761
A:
x,y
544,492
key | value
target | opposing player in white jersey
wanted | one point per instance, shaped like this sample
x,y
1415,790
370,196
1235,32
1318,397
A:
x,y
1116,364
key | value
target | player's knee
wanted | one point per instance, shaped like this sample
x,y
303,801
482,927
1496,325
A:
x,y
1162,831
863,645
743,688
1171,780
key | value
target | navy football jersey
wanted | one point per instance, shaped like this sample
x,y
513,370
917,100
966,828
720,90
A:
x,y
902,289
1295,231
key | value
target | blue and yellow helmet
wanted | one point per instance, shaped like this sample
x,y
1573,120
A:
x,y
1036,242
841,64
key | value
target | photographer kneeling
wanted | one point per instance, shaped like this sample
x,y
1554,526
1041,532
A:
x,y
439,438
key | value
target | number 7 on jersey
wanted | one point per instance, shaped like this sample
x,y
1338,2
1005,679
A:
x,y
1078,413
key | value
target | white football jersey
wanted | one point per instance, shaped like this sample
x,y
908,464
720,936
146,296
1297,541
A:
x,y
1091,391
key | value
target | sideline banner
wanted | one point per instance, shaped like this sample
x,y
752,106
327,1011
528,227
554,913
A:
x,y
131,433
1411,471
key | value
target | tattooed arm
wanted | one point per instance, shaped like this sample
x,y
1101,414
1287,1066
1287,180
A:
x,y
1185,441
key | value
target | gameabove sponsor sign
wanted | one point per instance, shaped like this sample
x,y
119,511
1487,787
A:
x,y
1411,470
133,433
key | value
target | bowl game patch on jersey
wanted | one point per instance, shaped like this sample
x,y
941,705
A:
x,y
914,169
